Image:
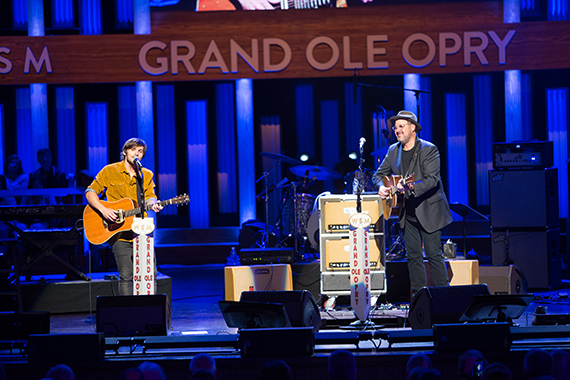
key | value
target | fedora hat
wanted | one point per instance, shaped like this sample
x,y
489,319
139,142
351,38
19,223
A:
x,y
409,116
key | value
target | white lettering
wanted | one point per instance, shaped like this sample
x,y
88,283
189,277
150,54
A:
x,y
418,62
175,57
30,58
335,53
445,50
502,44
347,64
372,51
162,61
478,50
5,61
213,50
252,60
287,54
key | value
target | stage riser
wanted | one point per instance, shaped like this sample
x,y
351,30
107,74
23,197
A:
x,y
73,296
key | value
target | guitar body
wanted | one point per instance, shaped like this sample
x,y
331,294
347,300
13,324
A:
x,y
392,204
98,230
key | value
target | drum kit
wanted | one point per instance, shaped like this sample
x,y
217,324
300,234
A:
x,y
297,204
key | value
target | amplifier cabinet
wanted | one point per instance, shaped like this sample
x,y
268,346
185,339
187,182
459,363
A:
x,y
335,264
513,206
335,252
335,210
256,277
535,252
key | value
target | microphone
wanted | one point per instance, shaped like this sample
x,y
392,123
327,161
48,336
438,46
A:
x,y
306,177
354,88
362,141
138,162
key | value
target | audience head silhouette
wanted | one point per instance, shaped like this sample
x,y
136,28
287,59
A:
x,y
560,364
417,361
60,372
274,370
202,374
152,371
342,365
496,371
537,363
470,365
203,361
132,374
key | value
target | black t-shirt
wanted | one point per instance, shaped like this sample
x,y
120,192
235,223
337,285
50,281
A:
x,y
409,203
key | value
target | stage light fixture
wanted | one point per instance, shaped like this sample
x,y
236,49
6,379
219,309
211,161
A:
x,y
353,156
304,157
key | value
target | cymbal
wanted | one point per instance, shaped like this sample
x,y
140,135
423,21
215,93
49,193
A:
x,y
280,157
380,152
317,172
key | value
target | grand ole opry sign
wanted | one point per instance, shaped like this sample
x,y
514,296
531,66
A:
x,y
328,42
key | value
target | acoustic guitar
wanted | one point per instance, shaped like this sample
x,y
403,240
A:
x,y
98,230
395,200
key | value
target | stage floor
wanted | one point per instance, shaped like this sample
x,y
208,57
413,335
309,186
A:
x,y
196,290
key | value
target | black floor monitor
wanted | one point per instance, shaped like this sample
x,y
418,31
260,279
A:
x,y
497,307
254,314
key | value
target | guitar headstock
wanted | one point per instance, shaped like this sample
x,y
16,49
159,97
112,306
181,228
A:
x,y
181,199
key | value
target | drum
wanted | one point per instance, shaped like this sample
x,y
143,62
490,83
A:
x,y
304,208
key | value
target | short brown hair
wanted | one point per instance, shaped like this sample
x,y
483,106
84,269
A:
x,y
131,143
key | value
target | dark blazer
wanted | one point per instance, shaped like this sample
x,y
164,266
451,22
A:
x,y
432,207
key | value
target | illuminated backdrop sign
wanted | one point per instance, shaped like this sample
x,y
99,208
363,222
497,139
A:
x,y
328,42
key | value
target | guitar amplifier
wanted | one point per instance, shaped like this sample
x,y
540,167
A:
x,y
337,209
523,155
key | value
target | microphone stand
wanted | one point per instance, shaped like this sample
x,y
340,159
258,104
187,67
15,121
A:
x,y
360,176
265,176
140,193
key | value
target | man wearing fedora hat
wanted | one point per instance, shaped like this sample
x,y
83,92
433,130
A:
x,y
426,209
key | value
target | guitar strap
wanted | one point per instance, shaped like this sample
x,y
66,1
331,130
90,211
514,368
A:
x,y
414,155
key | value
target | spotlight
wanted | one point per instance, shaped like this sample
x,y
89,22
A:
x,y
353,156
304,157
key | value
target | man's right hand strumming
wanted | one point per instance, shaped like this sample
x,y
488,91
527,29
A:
x,y
384,192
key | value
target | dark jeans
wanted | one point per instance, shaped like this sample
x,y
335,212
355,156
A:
x,y
414,234
123,251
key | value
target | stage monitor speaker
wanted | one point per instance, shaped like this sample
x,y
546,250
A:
x,y
133,315
465,336
19,325
276,342
507,279
536,253
442,304
513,206
300,305
246,278
60,348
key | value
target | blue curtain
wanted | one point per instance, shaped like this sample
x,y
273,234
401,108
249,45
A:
x,y
558,122
457,178
246,148
226,147
97,125
198,188
353,117
65,124
166,145
90,17
305,117
330,137
127,112
483,118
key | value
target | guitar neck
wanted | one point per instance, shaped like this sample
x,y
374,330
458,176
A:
x,y
146,207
